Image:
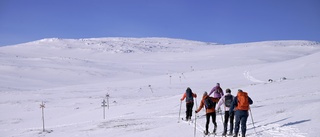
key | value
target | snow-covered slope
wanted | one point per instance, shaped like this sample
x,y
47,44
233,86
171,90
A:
x,y
146,77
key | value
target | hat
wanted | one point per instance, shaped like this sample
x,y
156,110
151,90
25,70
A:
x,y
228,90
218,84
240,90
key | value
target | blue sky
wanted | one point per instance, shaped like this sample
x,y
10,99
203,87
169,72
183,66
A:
x,y
219,21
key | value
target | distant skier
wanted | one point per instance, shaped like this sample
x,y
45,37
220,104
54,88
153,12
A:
x,y
189,102
226,100
217,91
240,105
209,103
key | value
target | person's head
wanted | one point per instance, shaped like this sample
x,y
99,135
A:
x,y
218,84
188,89
228,90
205,93
240,90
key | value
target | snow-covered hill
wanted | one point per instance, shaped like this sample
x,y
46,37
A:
x,y
145,78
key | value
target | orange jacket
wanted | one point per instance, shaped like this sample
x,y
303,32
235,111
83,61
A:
x,y
185,95
243,101
216,100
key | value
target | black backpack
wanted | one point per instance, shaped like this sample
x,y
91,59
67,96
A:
x,y
228,100
209,103
189,97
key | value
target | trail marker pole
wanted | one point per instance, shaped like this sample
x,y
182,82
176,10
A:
x,y
150,88
170,79
108,99
104,108
183,75
42,106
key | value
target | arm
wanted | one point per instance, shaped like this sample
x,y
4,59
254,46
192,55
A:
x,y
233,104
183,97
194,95
201,106
212,90
250,101
221,101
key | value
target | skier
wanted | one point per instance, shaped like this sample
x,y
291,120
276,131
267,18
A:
x,y
189,102
217,91
209,103
240,105
226,100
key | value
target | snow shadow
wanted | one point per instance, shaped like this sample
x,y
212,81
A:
x,y
276,121
296,122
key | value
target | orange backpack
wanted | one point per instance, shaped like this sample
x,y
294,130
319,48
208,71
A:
x,y
243,101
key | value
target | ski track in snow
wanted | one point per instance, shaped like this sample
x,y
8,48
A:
x,y
285,131
251,78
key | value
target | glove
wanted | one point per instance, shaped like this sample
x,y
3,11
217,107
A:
x,y
219,110
196,111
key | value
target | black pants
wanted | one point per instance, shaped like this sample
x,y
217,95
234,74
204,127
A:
x,y
213,115
189,110
226,119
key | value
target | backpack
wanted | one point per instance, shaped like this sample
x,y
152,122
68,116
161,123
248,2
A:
x,y
209,103
189,97
243,101
228,100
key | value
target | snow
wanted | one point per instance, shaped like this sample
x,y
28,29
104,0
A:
x,y
146,77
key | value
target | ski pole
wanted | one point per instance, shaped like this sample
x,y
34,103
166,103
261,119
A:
x,y
195,119
179,111
221,117
254,127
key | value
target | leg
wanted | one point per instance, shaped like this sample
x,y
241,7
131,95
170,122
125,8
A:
x,y
190,112
231,122
237,124
187,111
214,121
244,124
225,124
207,122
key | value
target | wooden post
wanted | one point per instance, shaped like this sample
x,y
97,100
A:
x,y
42,106
104,108
150,88
108,99
183,75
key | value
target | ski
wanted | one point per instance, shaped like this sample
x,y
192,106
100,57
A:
x,y
216,135
189,121
209,134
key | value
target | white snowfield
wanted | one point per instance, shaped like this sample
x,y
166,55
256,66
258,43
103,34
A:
x,y
145,78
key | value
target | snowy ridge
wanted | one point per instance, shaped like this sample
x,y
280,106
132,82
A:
x,y
121,45
146,77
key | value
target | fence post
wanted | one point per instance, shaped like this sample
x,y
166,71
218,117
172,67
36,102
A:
x,y
42,106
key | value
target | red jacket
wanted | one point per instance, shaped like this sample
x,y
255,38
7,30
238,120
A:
x,y
185,95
